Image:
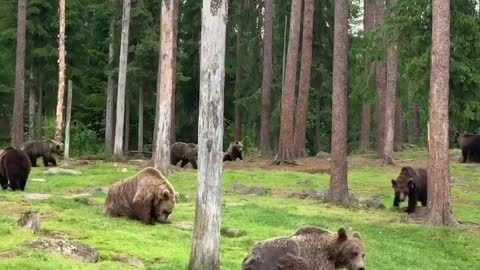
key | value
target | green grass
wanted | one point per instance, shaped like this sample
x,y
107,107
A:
x,y
390,244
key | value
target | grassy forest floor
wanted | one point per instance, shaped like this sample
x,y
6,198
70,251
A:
x,y
390,244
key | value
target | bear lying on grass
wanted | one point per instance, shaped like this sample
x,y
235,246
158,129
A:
x,y
14,169
234,152
186,152
310,248
147,196
411,183
47,149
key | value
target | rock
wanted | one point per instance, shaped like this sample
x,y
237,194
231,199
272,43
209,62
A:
x,y
132,261
38,180
67,248
374,203
36,196
30,220
231,232
98,190
323,155
312,195
183,225
254,190
457,181
56,170
124,170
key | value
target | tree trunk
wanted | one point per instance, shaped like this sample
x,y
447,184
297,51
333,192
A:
x,y
265,147
439,206
238,79
126,139
122,79
206,235
365,128
399,136
61,73
381,82
286,149
318,130
17,135
304,88
173,132
39,113
338,192
140,119
390,94
284,59
32,102
161,157
414,124
110,93
69,115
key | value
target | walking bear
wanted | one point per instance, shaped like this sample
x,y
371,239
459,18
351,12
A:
x,y
47,149
147,196
310,248
234,151
15,167
411,183
186,152
470,146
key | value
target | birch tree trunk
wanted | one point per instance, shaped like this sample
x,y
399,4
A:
x,y
265,147
304,84
286,149
439,205
69,115
122,80
110,93
167,65
338,192
61,73
17,133
206,235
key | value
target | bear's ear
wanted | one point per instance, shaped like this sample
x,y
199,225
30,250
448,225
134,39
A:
x,y
342,234
177,195
394,183
166,194
411,184
356,235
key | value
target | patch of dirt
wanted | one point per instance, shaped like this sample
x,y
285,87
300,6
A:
x,y
8,255
308,165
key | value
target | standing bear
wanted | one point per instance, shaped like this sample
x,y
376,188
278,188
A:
x,y
411,183
234,152
309,248
186,152
470,146
147,196
47,149
15,167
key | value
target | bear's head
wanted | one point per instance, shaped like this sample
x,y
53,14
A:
x,y
57,148
238,145
192,152
350,251
403,186
164,205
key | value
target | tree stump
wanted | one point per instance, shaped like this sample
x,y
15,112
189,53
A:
x,y
30,220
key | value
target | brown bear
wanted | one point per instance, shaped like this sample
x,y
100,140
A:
x,y
470,146
411,183
147,196
47,149
15,167
234,152
309,248
186,152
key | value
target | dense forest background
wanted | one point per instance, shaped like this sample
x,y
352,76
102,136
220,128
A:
x,y
87,42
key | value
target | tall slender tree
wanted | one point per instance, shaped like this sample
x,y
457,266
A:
x,y
398,136
61,73
265,147
206,235
338,192
17,133
161,157
122,81
304,84
32,100
238,76
439,205
140,119
173,133
381,82
110,91
286,149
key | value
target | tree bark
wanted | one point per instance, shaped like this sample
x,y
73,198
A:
x,y
238,79
398,136
390,95
126,139
338,192
173,132
61,73
265,147
304,88
110,93
68,116
206,235
286,149
318,130
167,60
39,113
122,80
17,133
439,205
32,102
381,82
365,128
140,119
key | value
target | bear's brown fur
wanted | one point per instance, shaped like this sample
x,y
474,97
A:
x,y
234,151
186,152
310,248
15,167
470,146
147,196
411,183
47,149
